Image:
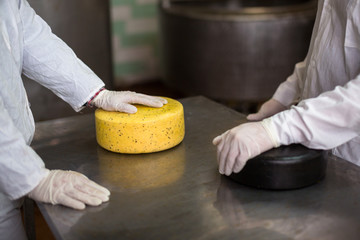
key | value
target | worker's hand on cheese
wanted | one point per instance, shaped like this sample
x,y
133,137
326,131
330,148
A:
x,y
121,101
237,145
69,188
268,109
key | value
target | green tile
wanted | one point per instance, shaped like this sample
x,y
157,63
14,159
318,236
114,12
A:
x,y
122,69
118,28
138,39
144,11
122,2
147,38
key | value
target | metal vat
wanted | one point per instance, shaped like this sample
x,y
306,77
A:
x,y
233,49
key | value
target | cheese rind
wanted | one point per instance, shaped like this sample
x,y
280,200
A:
x,y
148,130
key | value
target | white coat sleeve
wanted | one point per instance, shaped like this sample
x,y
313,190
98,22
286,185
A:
x,y
50,62
324,122
289,91
21,169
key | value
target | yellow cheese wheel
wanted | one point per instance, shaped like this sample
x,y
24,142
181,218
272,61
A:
x,y
148,130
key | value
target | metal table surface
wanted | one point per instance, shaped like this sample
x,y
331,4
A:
x,y
179,194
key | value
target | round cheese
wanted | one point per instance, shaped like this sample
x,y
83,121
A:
x,y
148,130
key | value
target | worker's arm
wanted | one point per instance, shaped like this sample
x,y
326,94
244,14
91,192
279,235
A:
x,y
324,122
21,169
49,61
289,91
23,172
286,94
237,145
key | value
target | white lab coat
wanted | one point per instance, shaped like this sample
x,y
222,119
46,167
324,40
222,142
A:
x,y
27,46
327,84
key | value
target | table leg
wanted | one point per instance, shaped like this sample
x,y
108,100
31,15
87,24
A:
x,y
29,218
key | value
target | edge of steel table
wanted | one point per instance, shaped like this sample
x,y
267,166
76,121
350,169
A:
x,y
179,194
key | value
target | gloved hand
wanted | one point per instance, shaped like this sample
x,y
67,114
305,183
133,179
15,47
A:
x,y
268,109
69,188
121,101
237,145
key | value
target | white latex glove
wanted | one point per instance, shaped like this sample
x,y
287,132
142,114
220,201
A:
x,y
237,145
121,101
69,188
268,109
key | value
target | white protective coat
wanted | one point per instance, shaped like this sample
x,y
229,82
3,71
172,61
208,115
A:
x,y
27,46
327,84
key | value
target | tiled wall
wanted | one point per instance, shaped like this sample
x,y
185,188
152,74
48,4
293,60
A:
x,y
134,41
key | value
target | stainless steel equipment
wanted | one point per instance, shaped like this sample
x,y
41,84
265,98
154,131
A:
x,y
85,26
233,49
179,193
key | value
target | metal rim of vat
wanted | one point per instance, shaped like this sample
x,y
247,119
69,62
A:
x,y
248,13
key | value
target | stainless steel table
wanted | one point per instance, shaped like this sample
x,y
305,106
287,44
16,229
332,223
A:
x,y
179,194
